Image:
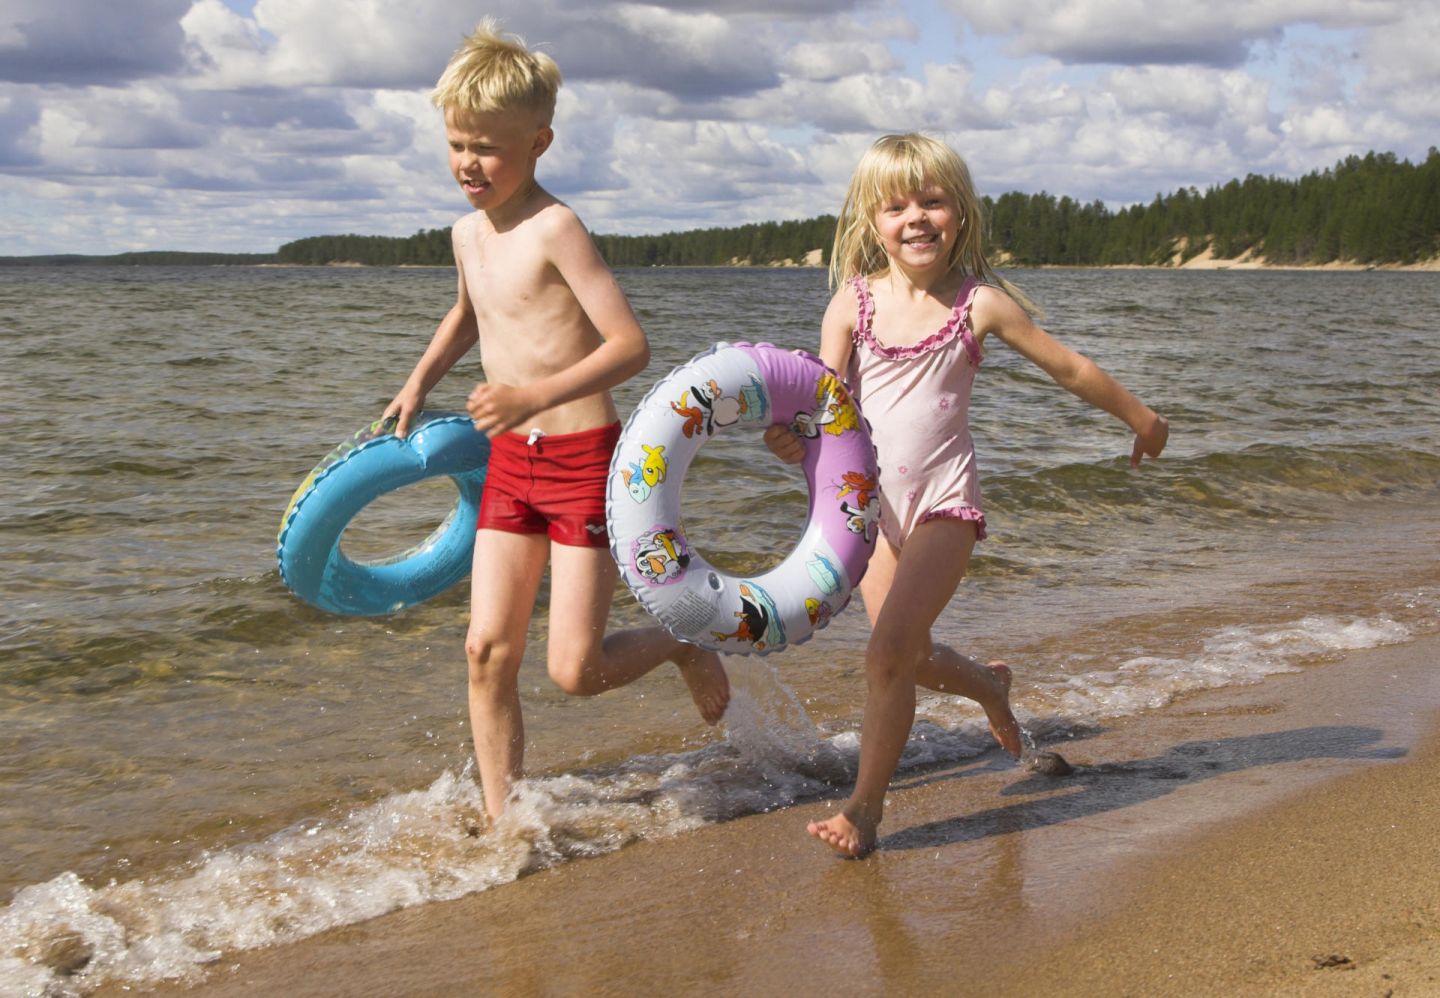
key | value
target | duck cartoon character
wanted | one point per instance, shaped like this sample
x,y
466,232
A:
x,y
832,398
834,411
858,484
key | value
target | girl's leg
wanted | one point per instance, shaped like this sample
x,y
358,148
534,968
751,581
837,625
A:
x,y
907,596
942,668
584,661
504,579
945,670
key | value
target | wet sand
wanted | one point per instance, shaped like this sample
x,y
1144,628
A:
x,y
1266,840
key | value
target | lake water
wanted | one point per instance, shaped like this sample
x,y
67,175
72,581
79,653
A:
x,y
193,762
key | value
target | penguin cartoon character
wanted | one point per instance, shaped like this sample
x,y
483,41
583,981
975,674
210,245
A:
x,y
861,520
660,556
759,620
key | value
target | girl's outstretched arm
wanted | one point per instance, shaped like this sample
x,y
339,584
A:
x,y
995,312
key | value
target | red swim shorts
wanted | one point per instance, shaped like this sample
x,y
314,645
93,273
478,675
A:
x,y
551,485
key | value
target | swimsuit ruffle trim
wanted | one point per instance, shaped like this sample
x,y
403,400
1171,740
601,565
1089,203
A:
x,y
957,325
959,513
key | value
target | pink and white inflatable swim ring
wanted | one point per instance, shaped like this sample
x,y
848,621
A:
x,y
728,386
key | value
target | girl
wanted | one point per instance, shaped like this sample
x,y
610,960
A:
x,y
915,301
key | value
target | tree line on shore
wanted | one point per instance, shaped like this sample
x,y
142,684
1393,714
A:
x,y
1368,209
152,258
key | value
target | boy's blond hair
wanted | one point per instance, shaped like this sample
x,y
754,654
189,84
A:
x,y
492,72
897,165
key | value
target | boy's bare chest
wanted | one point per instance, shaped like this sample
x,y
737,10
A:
x,y
507,279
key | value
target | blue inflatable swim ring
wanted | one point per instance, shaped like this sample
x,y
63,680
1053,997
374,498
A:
x,y
371,463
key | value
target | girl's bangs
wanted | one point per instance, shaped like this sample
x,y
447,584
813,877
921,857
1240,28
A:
x,y
904,172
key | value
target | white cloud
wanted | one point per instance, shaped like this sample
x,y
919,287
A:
x,y
195,127
1141,32
19,132
1402,71
90,41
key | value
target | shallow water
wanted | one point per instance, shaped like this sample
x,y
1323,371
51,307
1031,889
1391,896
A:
x,y
194,762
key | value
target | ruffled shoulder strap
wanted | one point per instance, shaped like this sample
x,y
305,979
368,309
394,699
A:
x,y
960,319
861,333
958,325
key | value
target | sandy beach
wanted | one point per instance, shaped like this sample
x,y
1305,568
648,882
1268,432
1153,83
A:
x,y
1273,839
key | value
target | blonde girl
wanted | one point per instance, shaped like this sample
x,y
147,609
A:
x,y
914,303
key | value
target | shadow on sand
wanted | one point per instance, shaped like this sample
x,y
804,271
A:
x,y
1096,789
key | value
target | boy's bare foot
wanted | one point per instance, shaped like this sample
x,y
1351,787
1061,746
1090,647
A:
x,y
1003,724
709,686
854,838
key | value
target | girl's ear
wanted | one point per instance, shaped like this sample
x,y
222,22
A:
x,y
543,138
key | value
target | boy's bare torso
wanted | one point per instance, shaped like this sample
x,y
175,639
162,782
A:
x,y
530,324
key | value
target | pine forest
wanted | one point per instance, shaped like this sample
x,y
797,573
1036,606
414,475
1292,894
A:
x,y
1373,209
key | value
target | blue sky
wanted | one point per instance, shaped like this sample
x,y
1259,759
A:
x,y
238,125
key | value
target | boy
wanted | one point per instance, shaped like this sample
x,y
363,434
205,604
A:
x,y
555,334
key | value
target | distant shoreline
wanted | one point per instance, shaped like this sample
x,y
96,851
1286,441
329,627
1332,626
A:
x,y
1203,261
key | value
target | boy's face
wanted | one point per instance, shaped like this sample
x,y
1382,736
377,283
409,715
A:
x,y
493,153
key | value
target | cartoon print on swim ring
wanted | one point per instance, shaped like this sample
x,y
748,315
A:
x,y
660,556
723,388
357,472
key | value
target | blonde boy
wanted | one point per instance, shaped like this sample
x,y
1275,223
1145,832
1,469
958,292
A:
x,y
555,334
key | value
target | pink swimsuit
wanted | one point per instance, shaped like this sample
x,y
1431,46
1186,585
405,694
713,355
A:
x,y
917,400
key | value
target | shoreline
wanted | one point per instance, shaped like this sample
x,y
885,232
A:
x,y
1203,261
1266,839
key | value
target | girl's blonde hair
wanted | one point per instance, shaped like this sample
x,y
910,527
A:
x,y
897,165
493,72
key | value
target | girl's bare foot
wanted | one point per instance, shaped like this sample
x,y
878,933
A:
x,y
1003,724
854,838
709,686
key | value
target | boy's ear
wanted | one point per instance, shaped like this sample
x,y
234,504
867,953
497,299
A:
x,y
543,138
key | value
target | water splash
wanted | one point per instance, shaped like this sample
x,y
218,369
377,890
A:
x,y
65,938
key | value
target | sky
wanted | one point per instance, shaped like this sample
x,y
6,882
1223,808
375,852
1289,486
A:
x,y
240,125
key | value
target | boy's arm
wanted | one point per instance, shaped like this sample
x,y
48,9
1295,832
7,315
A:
x,y
996,312
455,335
623,353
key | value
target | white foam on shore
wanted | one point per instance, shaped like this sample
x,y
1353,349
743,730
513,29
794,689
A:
x,y
1232,656
63,937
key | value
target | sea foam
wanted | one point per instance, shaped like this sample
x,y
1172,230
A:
x,y
63,937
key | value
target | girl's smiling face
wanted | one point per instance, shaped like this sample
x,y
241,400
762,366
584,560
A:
x,y
918,230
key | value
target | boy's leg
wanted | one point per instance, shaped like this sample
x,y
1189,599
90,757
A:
x,y
505,576
918,587
584,661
